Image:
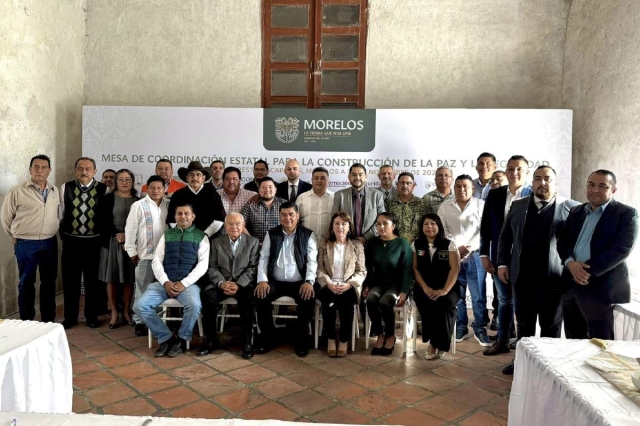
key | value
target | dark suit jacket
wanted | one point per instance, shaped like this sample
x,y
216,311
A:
x,y
611,242
493,219
282,189
511,244
224,266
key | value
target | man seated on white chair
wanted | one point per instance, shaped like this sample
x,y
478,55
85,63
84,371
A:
x,y
180,260
233,267
287,267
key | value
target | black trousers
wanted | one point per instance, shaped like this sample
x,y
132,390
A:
x,y
380,304
80,259
343,305
304,310
438,317
533,300
585,317
211,299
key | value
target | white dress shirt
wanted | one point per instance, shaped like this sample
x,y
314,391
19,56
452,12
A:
x,y
462,226
315,212
511,198
157,265
140,239
338,263
285,268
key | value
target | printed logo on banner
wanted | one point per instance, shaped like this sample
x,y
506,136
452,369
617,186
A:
x,y
287,129
319,130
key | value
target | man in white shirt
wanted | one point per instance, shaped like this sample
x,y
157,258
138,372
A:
x,y
233,196
315,205
143,230
287,267
461,219
180,260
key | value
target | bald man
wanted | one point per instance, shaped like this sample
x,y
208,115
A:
x,y
291,189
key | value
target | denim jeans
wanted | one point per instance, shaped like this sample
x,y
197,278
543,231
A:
x,y
505,309
155,294
31,256
472,276
144,277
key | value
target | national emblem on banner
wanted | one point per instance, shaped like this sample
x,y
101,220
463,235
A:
x,y
287,129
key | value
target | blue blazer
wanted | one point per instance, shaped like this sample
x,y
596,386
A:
x,y
611,242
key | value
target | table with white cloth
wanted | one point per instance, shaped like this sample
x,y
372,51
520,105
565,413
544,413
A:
x,y
35,368
552,385
626,321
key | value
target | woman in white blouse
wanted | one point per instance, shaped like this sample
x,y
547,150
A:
x,y
341,272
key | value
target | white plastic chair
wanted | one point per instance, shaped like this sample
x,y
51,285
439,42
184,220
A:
x,y
355,330
173,303
223,314
408,319
415,329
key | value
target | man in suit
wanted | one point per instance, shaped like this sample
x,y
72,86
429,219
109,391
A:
x,y
293,187
528,259
287,267
496,207
260,171
361,203
386,176
594,244
233,266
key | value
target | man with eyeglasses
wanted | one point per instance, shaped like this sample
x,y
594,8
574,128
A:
x,y
407,209
206,203
233,267
260,171
29,216
233,197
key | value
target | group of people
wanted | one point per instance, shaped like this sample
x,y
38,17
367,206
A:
x,y
209,239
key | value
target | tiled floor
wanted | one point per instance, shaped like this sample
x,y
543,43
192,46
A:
x,y
115,373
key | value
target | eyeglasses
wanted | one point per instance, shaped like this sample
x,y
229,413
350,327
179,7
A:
x,y
127,180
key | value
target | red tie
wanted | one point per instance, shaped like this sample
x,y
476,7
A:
x,y
357,216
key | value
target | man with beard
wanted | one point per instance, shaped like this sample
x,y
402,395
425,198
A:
x,y
260,171
293,187
262,215
164,169
217,169
386,176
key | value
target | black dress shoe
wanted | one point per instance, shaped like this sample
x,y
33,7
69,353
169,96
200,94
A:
x,y
177,348
140,330
207,348
508,369
262,348
302,351
375,351
247,351
93,323
113,326
131,322
163,350
68,324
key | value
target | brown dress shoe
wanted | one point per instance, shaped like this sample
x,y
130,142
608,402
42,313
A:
x,y
497,348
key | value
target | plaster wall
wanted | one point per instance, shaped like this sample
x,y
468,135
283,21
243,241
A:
x,y
601,84
178,53
41,97
462,54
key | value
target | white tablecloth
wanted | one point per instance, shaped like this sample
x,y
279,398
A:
x,y
35,368
24,419
552,385
626,321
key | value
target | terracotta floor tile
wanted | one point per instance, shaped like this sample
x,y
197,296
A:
x,y
228,362
93,380
102,349
251,374
109,394
278,387
418,361
315,357
405,393
443,408
470,395
433,382
153,383
399,370
469,346
367,360
134,342
175,397
200,410
76,354
84,366
370,379
122,332
306,402
135,370
340,367
483,419
240,400
168,363
481,364
340,389
193,372
130,407
215,385
455,372
412,417
269,411
283,364
341,415
79,404
375,405
498,407
492,384
117,359
309,376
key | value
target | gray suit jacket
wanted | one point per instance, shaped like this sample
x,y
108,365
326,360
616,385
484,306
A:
x,y
373,205
510,243
241,268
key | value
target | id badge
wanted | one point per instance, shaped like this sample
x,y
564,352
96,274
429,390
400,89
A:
x,y
420,252
443,255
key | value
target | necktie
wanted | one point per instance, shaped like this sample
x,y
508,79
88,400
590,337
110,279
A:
x,y
386,194
293,194
543,204
357,215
